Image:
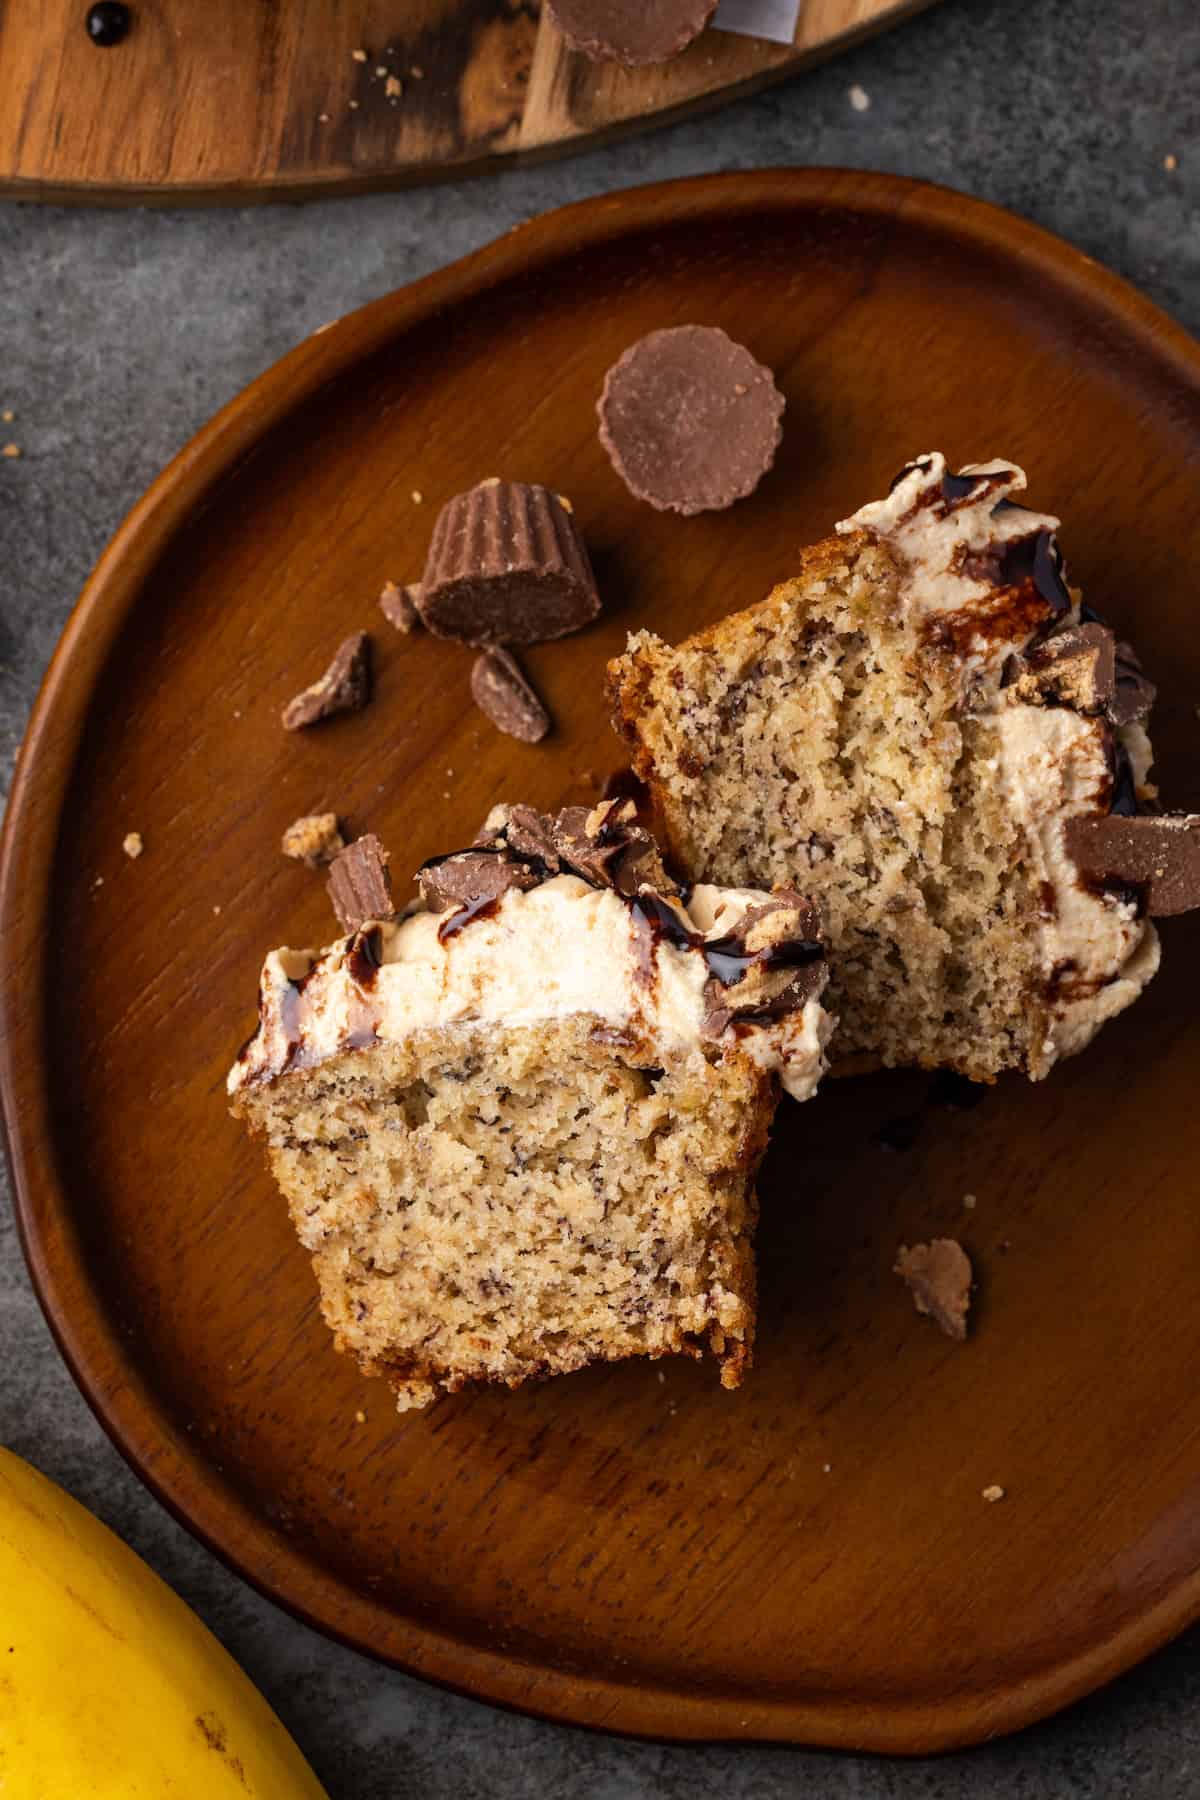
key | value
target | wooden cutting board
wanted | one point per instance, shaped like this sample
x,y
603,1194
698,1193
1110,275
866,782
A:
x,y
233,100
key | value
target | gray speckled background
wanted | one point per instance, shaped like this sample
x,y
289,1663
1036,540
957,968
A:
x,y
120,333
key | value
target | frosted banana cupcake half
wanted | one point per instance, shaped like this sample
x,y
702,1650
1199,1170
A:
x,y
928,732
518,1126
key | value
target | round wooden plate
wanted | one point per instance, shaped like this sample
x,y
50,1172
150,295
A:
x,y
810,1559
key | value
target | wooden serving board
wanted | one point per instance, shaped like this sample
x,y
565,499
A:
x,y
241,99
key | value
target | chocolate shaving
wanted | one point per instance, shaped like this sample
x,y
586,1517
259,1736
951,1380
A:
x,y
358,884
344,687
470,877
1153,858
399,605
938,1276
500,690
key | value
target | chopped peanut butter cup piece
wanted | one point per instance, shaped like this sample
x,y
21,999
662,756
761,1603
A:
x,y
359,885
344,687
500,689
399,605
507,565
1155,855
938,1276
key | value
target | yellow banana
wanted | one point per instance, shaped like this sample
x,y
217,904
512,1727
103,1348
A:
x,y
110,1687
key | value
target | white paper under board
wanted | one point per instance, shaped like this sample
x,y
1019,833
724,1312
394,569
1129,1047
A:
x,y
774,19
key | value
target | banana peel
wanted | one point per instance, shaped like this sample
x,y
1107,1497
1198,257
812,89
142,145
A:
x,y
110,1686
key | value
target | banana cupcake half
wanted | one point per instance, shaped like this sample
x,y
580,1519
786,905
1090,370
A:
x,y
518,1126
928,733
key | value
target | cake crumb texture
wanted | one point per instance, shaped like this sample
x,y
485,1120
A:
x,y
495,1205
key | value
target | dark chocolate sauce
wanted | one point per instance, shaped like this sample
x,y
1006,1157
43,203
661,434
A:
x,y
1124,789
727,958
365,957
1035,558
289,1018
908,469
957,487
482,908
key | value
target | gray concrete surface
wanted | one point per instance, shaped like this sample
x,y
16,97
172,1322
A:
x,y
120,333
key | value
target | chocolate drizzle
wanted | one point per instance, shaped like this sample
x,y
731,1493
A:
x,y
1036,558
604,846
364,958
483,906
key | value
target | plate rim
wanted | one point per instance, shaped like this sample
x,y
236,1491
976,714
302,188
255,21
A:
x,y
180,1476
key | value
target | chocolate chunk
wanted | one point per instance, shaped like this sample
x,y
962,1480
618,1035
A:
x,y
344,687
631,32
770,964
531,834
689,419
1075,668
399,605
1156,857
1134,696
314,839
359,885
938,1276
507,565
472,876
500,689
607,847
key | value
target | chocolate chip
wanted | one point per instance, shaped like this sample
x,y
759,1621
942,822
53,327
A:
x,y
359,885
344,687
501,691
938,1276
471,876
507,565
399,605
1155,856
690,420
631,32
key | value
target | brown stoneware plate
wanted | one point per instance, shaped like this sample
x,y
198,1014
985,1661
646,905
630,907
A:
x,y
810,1559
